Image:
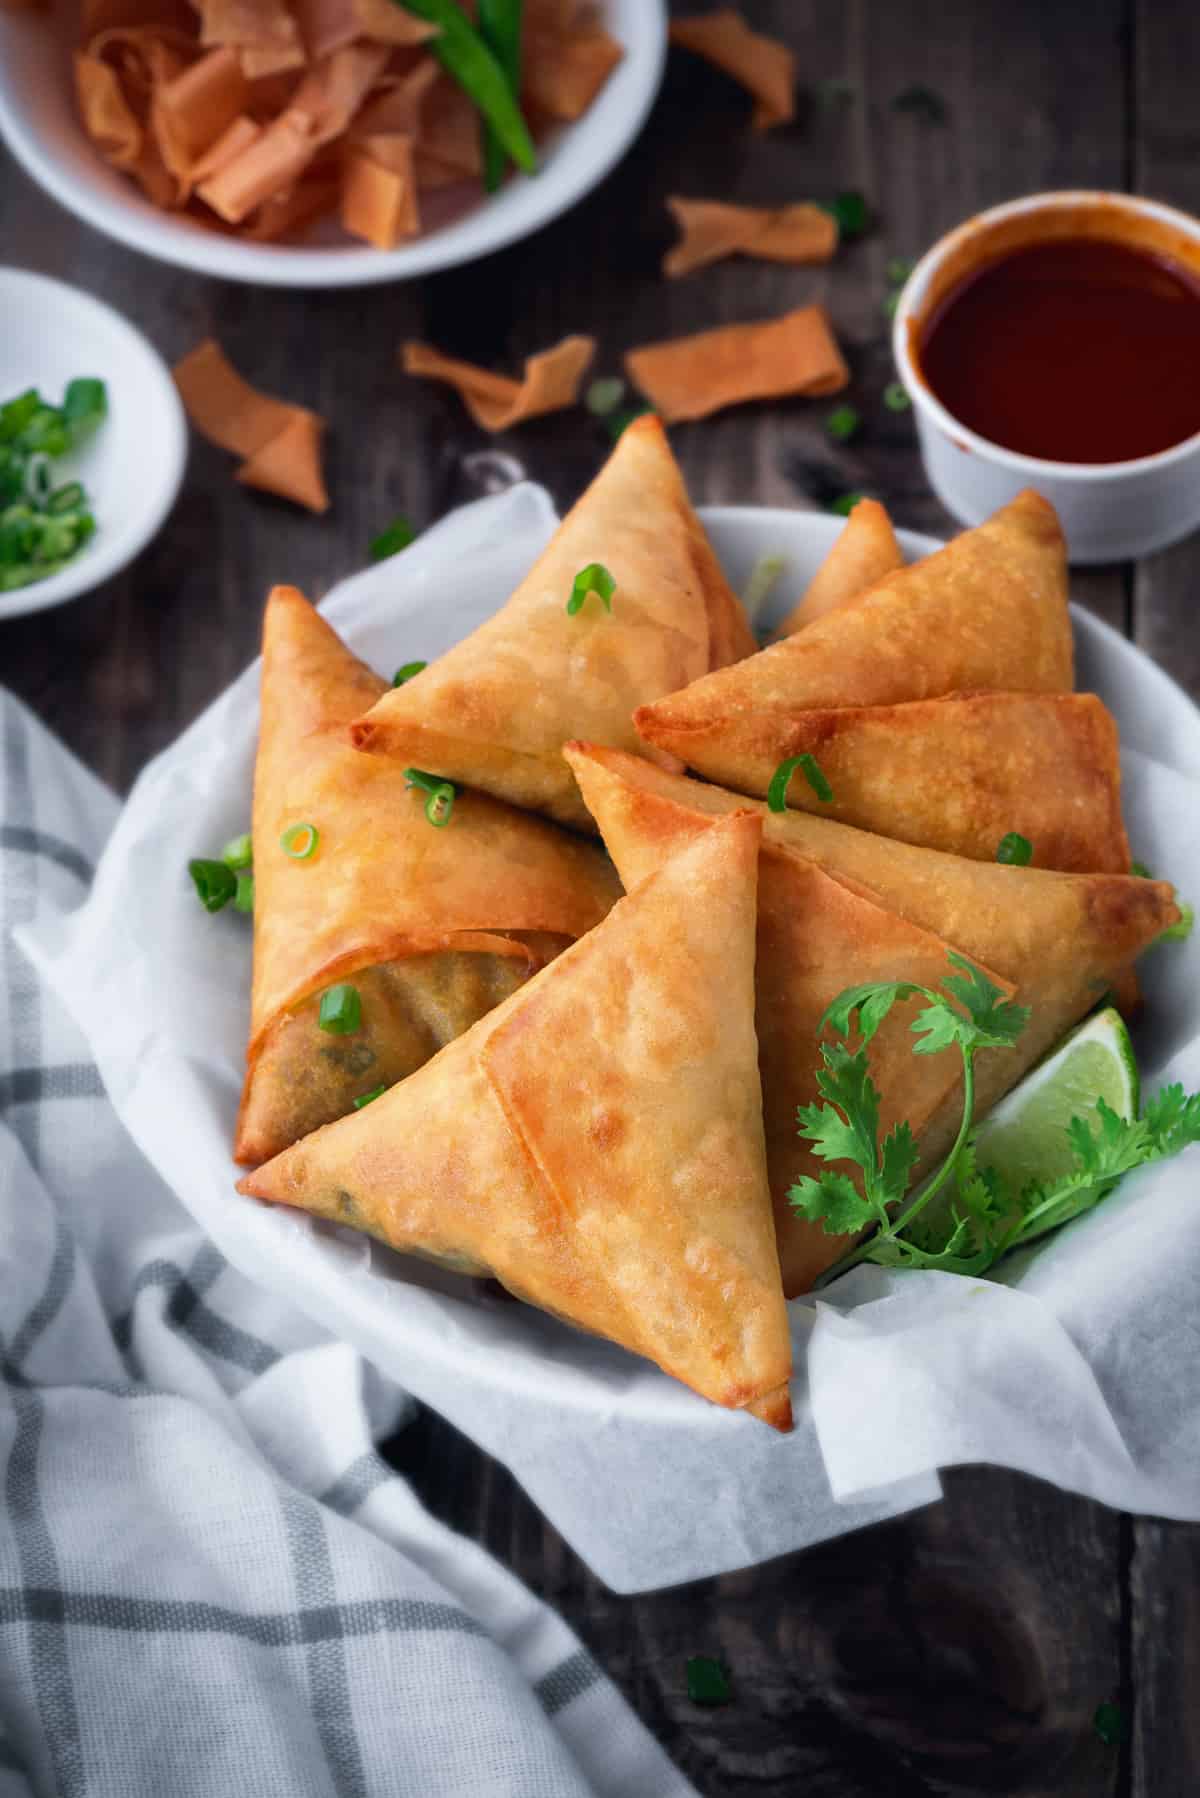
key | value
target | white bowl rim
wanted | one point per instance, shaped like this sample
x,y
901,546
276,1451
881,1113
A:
x,y
1035,467
465,240
100,560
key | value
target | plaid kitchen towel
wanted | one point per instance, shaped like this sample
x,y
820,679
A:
x,y
210,1582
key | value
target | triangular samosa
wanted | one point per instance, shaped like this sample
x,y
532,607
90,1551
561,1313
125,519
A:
x,y
958,773
864,551
817,935
496,710
1062,940
596,1142
987,612
433,926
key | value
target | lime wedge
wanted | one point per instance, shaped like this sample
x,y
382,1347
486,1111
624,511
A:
x,y
1025,1136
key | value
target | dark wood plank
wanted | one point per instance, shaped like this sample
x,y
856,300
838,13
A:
x,y
1165,141
928,1655
1165,1658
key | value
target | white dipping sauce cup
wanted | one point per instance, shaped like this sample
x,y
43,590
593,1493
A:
x,y
1110,511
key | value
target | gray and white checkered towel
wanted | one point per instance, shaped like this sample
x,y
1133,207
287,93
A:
x,y
210,1582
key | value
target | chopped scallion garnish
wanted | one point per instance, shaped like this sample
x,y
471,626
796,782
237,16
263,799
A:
x,y
1179,933
850,211
596,579
707,1680
341,1009
895,397
398,535
441,795
842,423
43,526
406,673
243,899
215,883
844,504
239,852
891,304
1141,870
810,768
604,395
898,271
1014,850
300,841
366,1099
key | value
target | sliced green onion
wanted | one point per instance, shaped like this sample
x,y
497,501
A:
x,y
243,899
780,780
440,804
300,841
604,395
1014,850
898,271
1141,870
215,883
707,1680
441,795
763,576
17,413
467,60
406,673
1179,933
38,484
891,304
850,211
367,1098
895,397
341,1010
68,498
596,579
239,851
842,423
85,405
845,504
1109,1724
500,29
617,423
398,535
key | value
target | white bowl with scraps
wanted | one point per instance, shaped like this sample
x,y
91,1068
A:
x,y
83,486
401,160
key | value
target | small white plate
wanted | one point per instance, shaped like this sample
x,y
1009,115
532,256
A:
x,y
39,122
49,334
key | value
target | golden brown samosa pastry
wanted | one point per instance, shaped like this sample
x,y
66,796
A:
x,y
865,552
987,612
817,935
496,710
596,1141
958,773
1062,940
433,926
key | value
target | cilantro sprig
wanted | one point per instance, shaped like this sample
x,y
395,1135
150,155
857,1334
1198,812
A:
x,y
980,1218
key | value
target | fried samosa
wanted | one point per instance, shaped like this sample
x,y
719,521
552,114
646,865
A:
x,y
596,1142
817,935
864,552
432,926
958,773
497,708
988,612
1061,940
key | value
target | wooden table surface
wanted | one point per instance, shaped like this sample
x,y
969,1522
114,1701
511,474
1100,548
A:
x,y
965,1649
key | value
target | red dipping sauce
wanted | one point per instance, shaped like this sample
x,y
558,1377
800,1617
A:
x,y
1074,350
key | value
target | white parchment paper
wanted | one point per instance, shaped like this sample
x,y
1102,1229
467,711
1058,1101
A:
x,y
1081,1365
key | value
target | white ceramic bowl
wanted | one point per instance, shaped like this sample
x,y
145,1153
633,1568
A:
x,y
39,122
1110,511
132,467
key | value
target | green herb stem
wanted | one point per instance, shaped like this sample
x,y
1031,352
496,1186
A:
x,y
466,58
